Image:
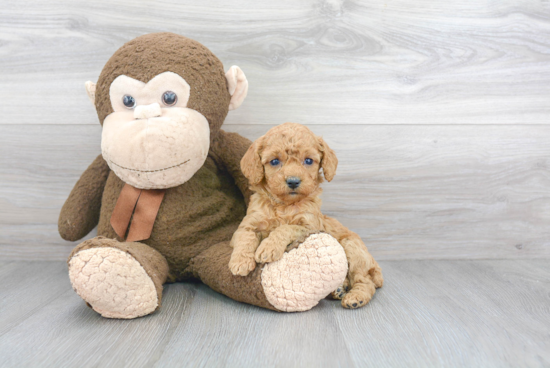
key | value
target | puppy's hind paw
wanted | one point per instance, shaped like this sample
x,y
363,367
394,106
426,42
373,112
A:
x,y
241,265
356,299
339,293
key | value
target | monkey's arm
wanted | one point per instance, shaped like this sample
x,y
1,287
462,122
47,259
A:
x,y
80,213
230,148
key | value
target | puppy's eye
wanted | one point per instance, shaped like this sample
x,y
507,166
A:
x,y
308,161
169,98
275,162
129,101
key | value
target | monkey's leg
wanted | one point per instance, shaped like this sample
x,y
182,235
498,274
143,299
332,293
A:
x,y
118,280
296,282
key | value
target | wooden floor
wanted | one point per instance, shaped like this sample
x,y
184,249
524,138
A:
x,y
429,314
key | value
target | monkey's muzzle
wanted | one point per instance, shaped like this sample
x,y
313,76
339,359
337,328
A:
x,y
156,152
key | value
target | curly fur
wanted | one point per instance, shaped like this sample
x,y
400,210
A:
x,y
278,215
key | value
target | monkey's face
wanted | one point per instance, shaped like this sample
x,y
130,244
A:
x,y
162,99
152,139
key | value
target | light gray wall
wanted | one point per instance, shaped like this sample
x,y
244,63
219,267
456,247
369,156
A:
x,y
438,111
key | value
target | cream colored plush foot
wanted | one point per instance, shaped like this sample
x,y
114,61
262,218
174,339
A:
x,y
113,283
305,275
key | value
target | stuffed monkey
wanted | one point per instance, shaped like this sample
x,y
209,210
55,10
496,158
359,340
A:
x,y
167,192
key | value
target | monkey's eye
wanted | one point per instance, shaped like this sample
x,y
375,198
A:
x,y
129,101
169,98
275,162
308,161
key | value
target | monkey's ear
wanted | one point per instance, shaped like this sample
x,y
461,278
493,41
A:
x,y
251,164
90,90
237,85
329,162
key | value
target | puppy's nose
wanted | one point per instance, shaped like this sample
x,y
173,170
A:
x,y
293,182
147,111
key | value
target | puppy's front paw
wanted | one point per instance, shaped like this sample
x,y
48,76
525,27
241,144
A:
x,y
241,264
269,251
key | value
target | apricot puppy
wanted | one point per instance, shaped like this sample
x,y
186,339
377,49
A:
x,y
284,170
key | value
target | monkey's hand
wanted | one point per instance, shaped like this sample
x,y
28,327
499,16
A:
x,y
80,213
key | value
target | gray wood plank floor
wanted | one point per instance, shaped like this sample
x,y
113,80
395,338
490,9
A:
x,y
429,314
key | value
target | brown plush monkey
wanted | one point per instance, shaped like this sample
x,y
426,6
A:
x,y
167,192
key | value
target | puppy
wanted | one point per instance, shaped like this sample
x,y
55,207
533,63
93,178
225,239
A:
x,y
283,168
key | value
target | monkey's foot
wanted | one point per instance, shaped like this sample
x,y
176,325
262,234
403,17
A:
x,y
113,283
305,275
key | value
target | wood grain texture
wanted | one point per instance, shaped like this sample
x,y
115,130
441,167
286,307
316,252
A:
x,y
411,192
314,61
428,314
433,186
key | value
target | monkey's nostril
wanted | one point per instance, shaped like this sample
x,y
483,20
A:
x,y
293,182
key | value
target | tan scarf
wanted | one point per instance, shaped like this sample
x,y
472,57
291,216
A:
x,y
144,204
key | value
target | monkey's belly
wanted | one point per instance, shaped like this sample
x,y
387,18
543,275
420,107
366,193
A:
x,y
204,211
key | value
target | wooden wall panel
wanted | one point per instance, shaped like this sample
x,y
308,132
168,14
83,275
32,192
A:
x,y
411,192
438,110
316,62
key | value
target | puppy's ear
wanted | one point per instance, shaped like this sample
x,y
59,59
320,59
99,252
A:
x,y
251,164
329,162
